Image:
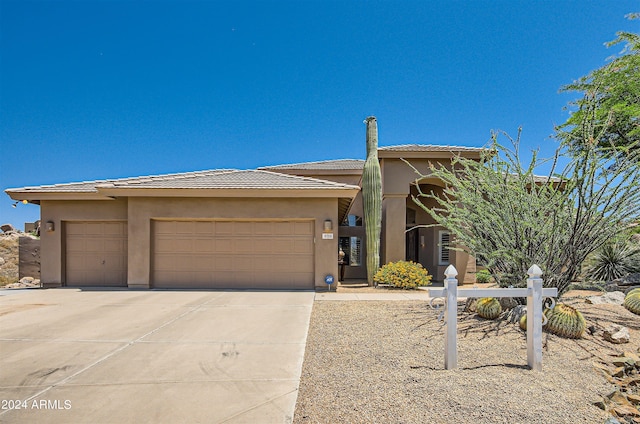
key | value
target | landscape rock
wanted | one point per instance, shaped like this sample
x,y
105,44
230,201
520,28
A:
x,y
507,303
617,334
26,280
1,261
611,298
630,280
6,228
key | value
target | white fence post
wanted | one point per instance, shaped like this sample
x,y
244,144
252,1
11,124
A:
x,y
534,318
451,318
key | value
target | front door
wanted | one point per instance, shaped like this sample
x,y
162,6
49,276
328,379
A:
x,y
412,245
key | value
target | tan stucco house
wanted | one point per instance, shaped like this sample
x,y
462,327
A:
x,y
275,227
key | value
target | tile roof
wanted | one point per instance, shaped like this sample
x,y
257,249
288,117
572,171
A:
x,y
211,179
325,165
429,148
248,179
90,186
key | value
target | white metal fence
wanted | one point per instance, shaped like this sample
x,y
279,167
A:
x,y
534,293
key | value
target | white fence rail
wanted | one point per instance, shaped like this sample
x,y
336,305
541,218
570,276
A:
x,y
534,293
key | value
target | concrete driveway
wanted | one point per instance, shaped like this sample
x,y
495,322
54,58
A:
x,y
119,356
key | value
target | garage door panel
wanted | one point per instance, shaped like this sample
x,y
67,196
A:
x,y
300,264
223,228
235,254
284,228
96,253
205,245
186,228
223,262
243,246
303,247
114,245
303,228
263,228
203,227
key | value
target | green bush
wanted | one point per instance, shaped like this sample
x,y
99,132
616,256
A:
x,y
483,276
403,274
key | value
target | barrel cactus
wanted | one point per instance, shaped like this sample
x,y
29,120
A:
x,y
632,301
372,197
565,321
488,307
523,322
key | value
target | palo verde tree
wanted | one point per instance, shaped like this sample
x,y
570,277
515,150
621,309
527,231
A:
x,y
611,94
503,213
510,218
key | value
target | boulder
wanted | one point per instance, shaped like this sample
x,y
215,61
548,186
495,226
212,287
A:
x,y
610,298
7,228
629,280
507,303
616,334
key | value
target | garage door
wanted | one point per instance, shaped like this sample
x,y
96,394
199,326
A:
x,y
233,254
96,253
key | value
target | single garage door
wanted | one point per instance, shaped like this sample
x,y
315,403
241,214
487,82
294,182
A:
x,y
233,254
96,253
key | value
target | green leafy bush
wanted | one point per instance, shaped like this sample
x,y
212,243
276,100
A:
x,y
403,274
483,276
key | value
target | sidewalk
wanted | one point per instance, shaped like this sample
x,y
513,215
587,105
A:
x,y
383,295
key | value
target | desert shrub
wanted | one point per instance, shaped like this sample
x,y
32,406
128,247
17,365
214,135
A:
x,y
483,276
613,260
403,274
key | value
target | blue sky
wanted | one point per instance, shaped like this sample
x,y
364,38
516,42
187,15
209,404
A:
x,y
108,89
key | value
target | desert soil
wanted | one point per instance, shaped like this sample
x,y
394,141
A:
x,y
383,362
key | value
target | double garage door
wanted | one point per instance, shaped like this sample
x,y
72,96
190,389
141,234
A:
x,y
233,254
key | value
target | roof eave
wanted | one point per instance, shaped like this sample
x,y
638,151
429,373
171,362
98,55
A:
x,y
35,196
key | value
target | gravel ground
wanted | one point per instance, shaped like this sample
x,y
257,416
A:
x,y
383,362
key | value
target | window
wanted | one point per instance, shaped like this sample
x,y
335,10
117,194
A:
x,y
352,247
352,221
444,239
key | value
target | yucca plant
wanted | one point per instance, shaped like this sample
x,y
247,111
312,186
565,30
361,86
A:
x,y
614,260
372,199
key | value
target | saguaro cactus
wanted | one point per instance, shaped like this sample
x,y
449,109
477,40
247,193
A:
x,y
372,197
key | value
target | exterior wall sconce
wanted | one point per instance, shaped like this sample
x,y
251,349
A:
x,y
49,227
328,226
